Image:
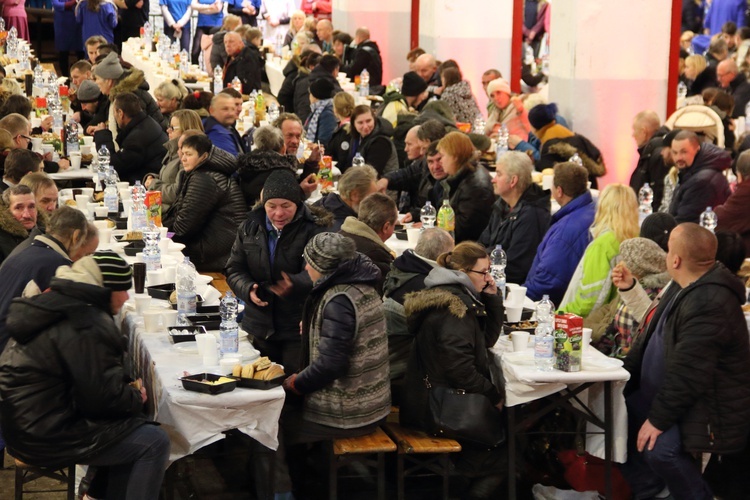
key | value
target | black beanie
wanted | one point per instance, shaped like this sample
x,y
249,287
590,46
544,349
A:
x,y
412,85
321,89
657,227
667,141
282,184
542,115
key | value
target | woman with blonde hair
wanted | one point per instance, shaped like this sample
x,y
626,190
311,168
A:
x,y
700,74
616,220
169,95
338,146
296,25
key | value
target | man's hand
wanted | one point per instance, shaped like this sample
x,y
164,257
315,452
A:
x,y
407,218
514,141
622,278
254,297
148,181
139,5
64,164
315,153
47,123
92,129
309,184
283,287
647,436
382,184
273,22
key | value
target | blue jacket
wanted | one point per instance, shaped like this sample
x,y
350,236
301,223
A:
x,y
722,11
561,249
67,31
97,23
223,137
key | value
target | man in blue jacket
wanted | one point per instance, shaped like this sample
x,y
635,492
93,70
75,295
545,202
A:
x,y
568,236
219,126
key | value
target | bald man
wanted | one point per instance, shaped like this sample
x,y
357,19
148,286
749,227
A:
x,y
735,83
244,62
648,134
324,31
366,56
689,390
426,66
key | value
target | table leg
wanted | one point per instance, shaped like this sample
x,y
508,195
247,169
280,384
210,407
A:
x,y
511,410
608,432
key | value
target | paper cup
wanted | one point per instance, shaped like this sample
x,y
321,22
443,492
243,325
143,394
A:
x,y
170,273
88,140
124,194
101,224
101,211
205,342
47,148
85,150
82,202
164,245
36,144
520,340
586,341
37,122
142,302
155,277
152,320
75,160
211,357
168,318
163,230
516,296
513,313
123,185
412,235
105,237
88,192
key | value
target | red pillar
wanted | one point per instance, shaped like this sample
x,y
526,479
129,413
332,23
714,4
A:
x,y
414,41
674,56
517,46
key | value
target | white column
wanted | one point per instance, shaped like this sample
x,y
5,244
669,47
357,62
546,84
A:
x,y
476,33
602,75
389,22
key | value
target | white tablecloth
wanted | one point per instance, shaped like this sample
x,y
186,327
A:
x,y
66,175
524,383
194,420
275,72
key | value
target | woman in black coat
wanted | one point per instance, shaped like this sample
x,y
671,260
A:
x,y
371,137
209,204
455,319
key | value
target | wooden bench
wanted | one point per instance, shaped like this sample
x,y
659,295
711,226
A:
x,y
26,473
423,452
360,449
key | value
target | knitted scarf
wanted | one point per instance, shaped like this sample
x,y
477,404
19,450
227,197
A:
x,y
316,109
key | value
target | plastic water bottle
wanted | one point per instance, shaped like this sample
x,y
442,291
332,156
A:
x,y
228,327
237,84
681,90
103,155
544,355
110,193
446,218
646,199
479,125
576,159
358,161
498,261
57,114
708,219
502,142
185,278
427,215
218,79
364,83
71,137
151,252
138,208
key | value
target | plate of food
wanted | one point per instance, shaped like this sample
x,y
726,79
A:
x,y
261,374
208,383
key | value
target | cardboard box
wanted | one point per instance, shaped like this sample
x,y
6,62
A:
x,y
153,207
568,335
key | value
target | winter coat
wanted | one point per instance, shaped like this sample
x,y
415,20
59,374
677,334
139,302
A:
x,y
218,52
141,149
377,148
208,209
248,66
318,73
739,89
461,101
226,138
166,180
705,79
471,197
706,386
520,232
651,167
326,123
366,56
67,31
701,185
733,214
345,349
454,327
36,264
333,203
301,94
255,167
250,264
559,144
132,80
64,395
286,91
12,232
561,249
338,146
417,181
102,22
369,243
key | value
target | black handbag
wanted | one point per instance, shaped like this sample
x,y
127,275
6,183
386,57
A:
x,y
464,416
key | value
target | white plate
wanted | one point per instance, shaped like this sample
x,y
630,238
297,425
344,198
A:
x,y
202,279
601,364
187,347
175,247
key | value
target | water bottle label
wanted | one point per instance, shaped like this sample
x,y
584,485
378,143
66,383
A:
x,y
186,304
543,347
229,342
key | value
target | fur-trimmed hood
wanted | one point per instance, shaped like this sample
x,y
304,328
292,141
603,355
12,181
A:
x,y
131,80
261,160
446,288
10,225
565,150
436,298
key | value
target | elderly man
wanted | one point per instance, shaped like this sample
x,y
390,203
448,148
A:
x,y
45,190
244,62
354,186
291,128
568,236
426,67
689,387
324,30
520,218
366,57
649,137
219,126
17,218
18,164
375,223
735,83
701,179
733,214
140,139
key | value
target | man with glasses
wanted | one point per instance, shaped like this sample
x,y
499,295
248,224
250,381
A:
x,y
19,129
734,82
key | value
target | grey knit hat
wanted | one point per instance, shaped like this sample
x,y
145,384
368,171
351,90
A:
x,y
643,257
116,272
88,91
657,227
326,251
110,68
282,184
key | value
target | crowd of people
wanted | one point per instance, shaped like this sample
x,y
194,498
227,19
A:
x,y
660,292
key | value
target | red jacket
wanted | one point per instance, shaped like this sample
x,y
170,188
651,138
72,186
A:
x,y
733,214
322,8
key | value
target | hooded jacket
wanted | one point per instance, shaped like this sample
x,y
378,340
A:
x,y
12,232
520,232
739,89
208,209
286,91
702,184
559,149
250,264
651,167
302,93
367,56
471,197
369,243
166,180
333,203
461,101
64,395
255,167
377,148
706,386
132,80
248,66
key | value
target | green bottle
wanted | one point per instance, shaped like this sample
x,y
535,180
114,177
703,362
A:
x,y
446,218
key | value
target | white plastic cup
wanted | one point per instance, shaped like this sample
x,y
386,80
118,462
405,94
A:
x,y
75,160
101,211
164,245
123,185
88,140
88,192
516,296
513,313
586,340
412,236
204,341
36,144
548,181
101,225
142,302
155,277
47,148
520,340
152,320
105,237
211,356
82,202
170,274
163,230
168,317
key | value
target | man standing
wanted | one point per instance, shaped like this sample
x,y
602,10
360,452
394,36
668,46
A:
x,y
244,62
366,56
701,180
733,214
649,136
64,396
219,126
689,390
735,83
17,218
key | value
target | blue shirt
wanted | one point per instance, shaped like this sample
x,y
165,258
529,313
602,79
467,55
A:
x,y
273,238
211,20
176,8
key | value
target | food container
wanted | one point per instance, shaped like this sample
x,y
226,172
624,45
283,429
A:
x,y
134,247
202,382
161,291
210,321
263,385
198,301
176,335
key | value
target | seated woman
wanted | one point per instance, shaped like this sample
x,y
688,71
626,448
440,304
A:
x,y
321,123
454,320
338,146
700,74
559,144
457,94
521,230
180,122
169,95
209,205
371,138
616,220
505,111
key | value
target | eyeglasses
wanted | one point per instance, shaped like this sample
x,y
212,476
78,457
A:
x,y
25,137
173,129
485,273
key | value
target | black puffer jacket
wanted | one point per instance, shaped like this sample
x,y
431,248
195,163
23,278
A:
x,y
208,209
651,167
453,330
255,167
248,66
520,231
250,264
63,390
302,94
286,92
416,180
377,148
706,388
471,197
141,148
701,185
